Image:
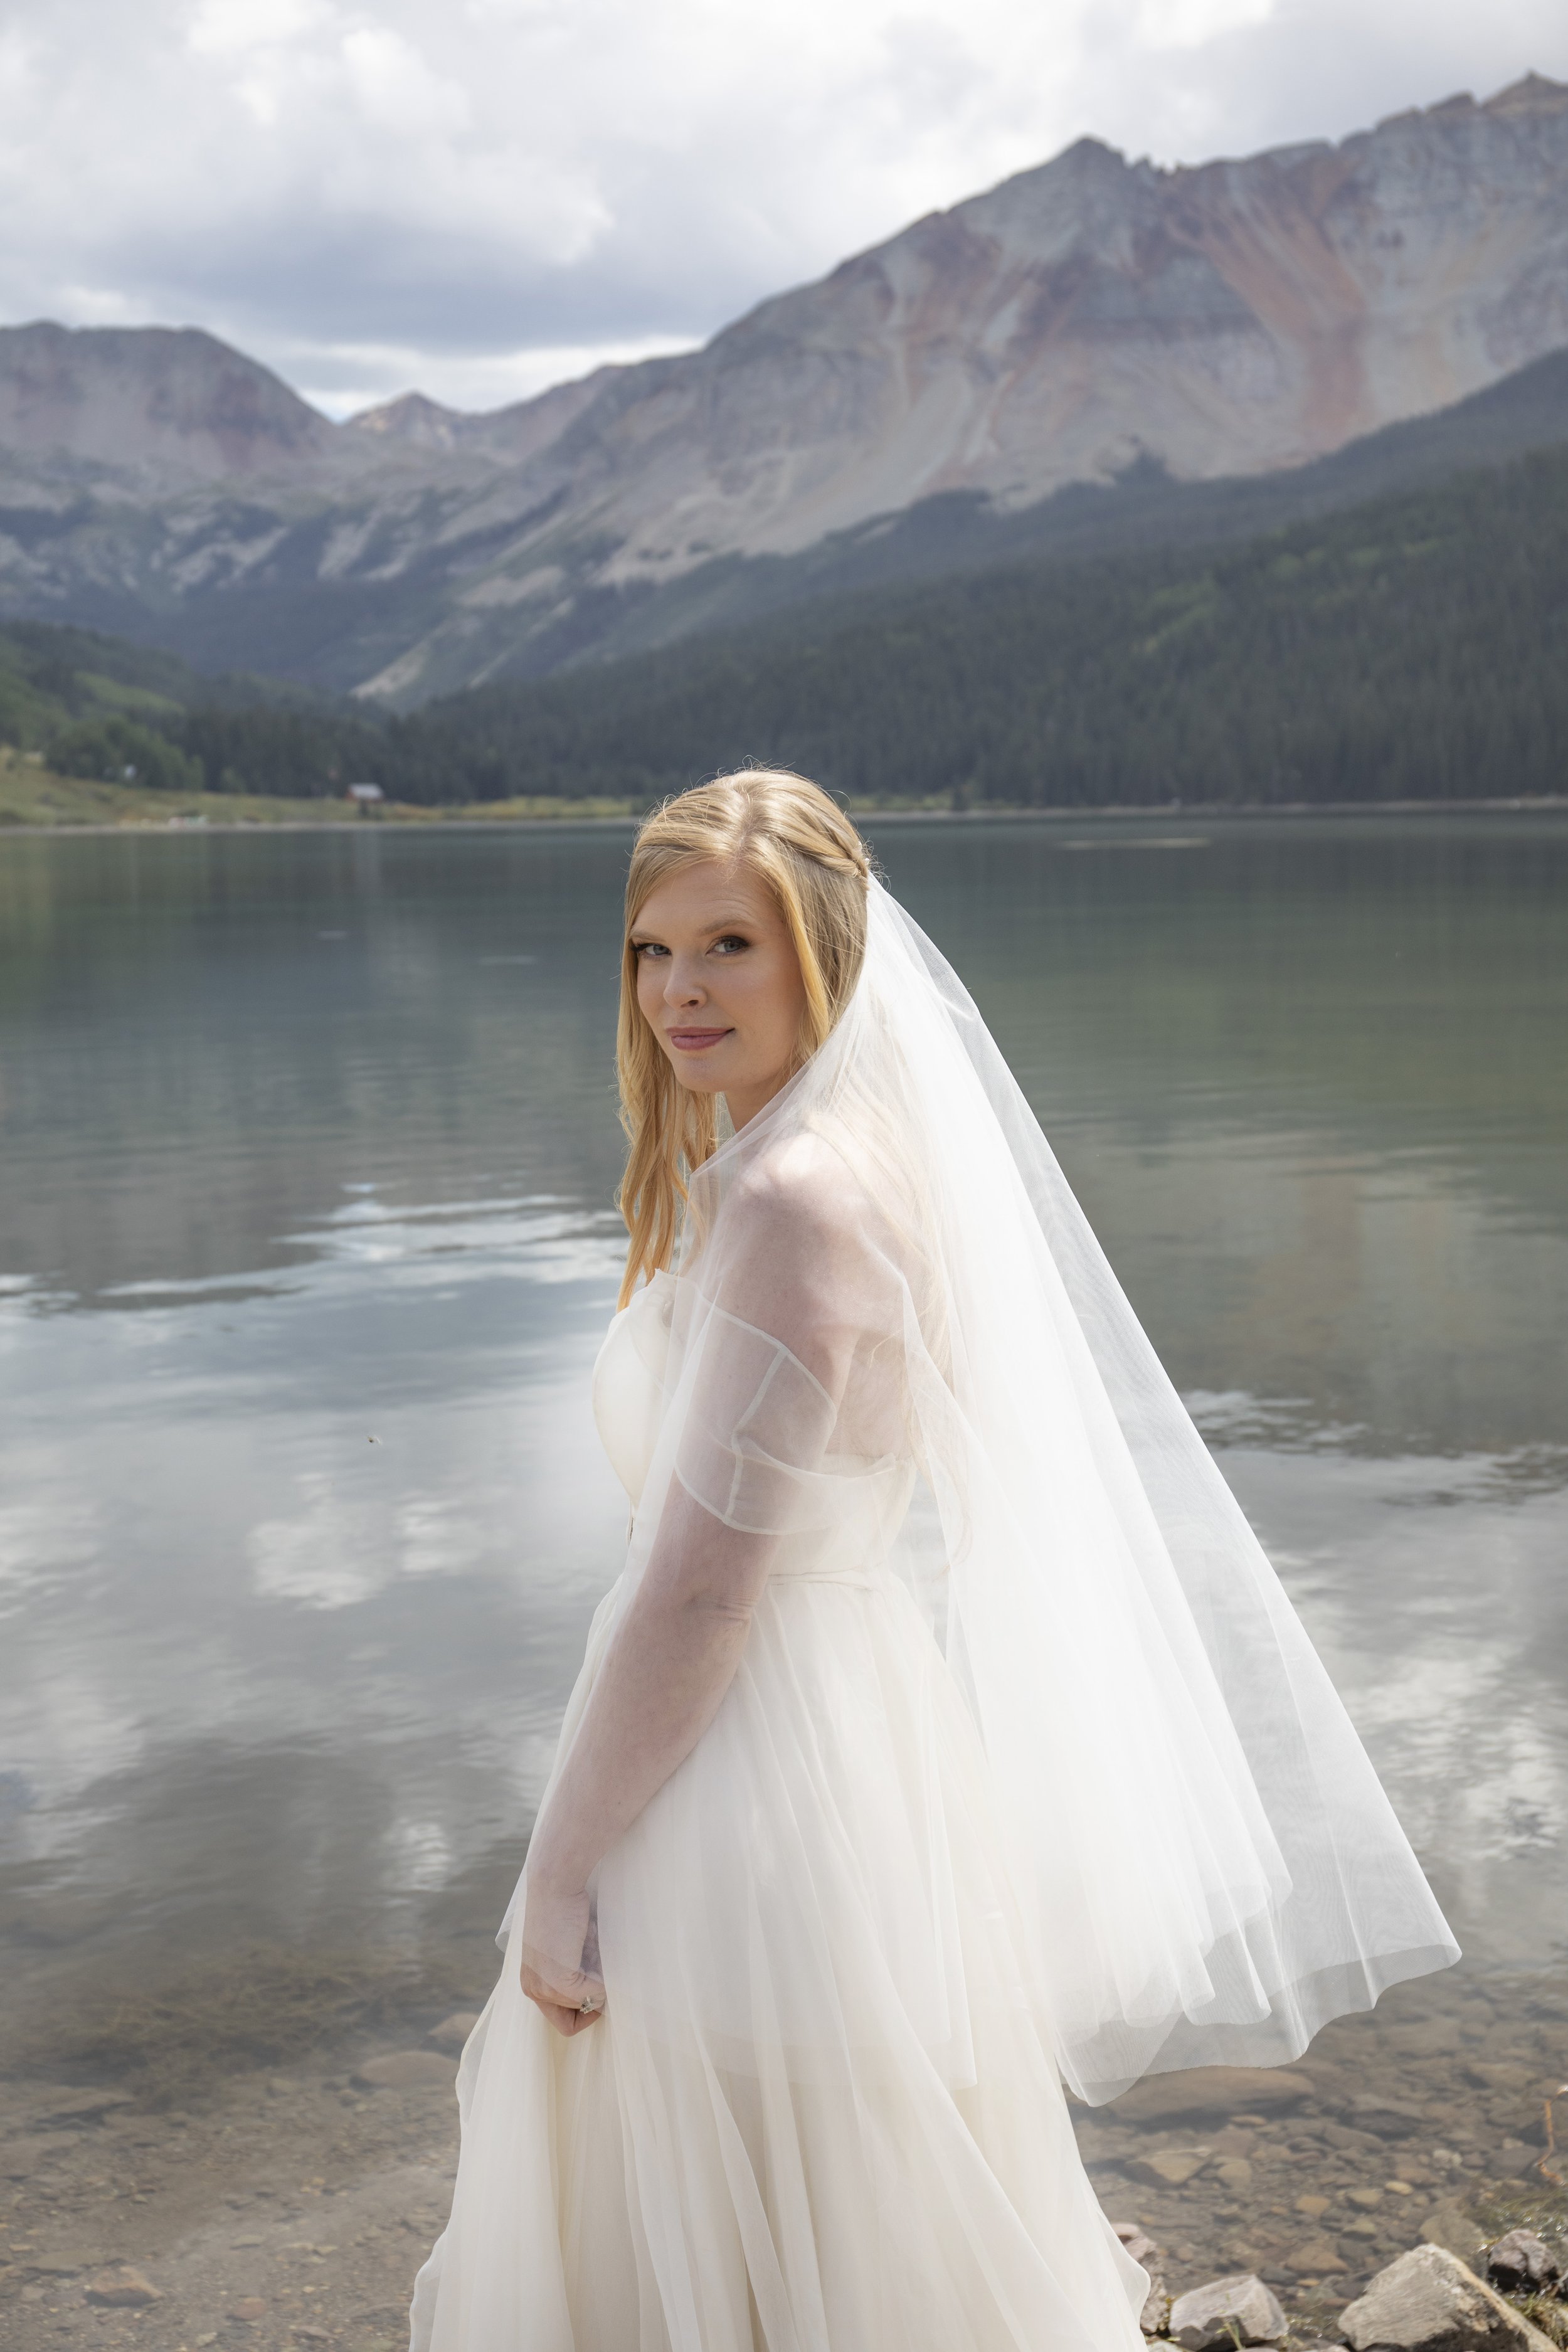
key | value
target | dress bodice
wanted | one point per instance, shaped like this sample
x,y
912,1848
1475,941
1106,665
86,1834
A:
x,y
629,1390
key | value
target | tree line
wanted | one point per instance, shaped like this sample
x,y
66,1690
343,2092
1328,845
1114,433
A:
x,y
1415,647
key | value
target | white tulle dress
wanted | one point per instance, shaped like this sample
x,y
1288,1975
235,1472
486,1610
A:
x,y
1028,1774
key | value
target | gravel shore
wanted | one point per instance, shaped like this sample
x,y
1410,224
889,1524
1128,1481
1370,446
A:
x,y
290,2204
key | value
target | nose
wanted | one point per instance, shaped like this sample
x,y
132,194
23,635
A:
x,y
684,985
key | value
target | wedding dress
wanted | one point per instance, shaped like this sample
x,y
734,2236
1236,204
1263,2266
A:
x,y
1027,1777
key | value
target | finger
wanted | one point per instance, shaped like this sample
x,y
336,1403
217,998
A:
x,y
566,2022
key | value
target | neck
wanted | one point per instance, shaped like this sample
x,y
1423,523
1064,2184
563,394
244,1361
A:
x,y
744,1103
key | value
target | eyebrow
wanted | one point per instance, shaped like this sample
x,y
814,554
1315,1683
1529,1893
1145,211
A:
x,y
730,922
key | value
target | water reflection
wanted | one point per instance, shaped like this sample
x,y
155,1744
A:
x,y
307,1245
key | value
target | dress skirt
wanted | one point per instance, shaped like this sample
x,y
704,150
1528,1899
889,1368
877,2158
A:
x,y
821,2112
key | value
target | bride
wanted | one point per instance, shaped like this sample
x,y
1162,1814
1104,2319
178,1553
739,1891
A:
x,y
946,1740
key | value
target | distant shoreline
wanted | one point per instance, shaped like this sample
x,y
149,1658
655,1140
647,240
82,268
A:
x,y
397,820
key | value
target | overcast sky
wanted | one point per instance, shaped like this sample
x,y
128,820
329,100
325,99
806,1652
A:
x,y
479,197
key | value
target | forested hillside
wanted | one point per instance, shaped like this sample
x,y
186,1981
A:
x,y
1413,648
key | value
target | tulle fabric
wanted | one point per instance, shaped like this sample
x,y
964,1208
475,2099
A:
x,y
1029,1774
822,2111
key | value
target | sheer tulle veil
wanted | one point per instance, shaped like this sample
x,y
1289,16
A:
x,y
1205,1864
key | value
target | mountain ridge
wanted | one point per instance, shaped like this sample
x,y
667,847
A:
x,y
1082,321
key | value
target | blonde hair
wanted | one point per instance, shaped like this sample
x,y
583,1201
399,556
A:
x,y
786,830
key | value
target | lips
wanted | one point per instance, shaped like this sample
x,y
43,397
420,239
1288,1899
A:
x,y
695,1041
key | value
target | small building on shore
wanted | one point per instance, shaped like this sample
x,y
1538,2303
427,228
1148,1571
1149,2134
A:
x,y
368,799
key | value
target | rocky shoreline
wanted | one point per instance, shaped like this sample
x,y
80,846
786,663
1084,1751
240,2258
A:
x,y
291,2204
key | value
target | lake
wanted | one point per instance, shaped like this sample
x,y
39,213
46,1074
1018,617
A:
x,y
305,1231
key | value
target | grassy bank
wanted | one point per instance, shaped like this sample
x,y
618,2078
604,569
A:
x,y
32,795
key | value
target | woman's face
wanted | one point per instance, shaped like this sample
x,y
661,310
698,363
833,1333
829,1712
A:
x,y
719,983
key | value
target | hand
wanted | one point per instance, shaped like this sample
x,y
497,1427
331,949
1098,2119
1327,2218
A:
x,y
560,1956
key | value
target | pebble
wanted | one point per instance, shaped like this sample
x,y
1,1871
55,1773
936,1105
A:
x,y
1316,2258
247,2310
123,2289
1168,2167
1197,2091
406,2070
453,2031
1226,2312
1522,2263
80,2106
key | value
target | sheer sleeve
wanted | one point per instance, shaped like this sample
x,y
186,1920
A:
x,y
778,1340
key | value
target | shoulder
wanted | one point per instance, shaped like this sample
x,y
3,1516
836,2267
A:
x,y
797,1194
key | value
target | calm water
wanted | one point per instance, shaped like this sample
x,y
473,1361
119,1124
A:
x,y
308,1150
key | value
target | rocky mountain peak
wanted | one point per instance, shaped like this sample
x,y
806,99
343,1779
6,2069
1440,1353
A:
x,y
414,420
171,400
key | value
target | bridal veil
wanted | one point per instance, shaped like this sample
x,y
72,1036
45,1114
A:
x,y
1203,1864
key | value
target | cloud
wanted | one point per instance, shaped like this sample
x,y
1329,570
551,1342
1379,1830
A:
x,y
478,195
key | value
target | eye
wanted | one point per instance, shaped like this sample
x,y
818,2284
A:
x,y
730,944
643,948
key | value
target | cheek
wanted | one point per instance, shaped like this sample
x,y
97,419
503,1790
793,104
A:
x,y
650,987
780,1001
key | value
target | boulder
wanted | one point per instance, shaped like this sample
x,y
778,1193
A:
x,y
1168,2167
1522,2263
122,2288
1428,2301
1262,2091
1235,2174
453,2031
406,2070
1225,2313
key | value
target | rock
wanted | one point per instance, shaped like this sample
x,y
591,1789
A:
x,y
80,2106
247,2310
123,2289
1448,2225
1235,2173
60,2265
1136,2239
453,2031
1366,2198
1154,2319
1489,2077
1314,2208
21,2157
406,2070
1168,2167
1428,2301
1315,2258
1387,2117
1262,2091
1226,2312
1433,2040
304,2332
1521,2263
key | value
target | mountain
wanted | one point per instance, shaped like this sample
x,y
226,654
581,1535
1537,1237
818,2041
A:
x,y
1094,321
1409,647
173,404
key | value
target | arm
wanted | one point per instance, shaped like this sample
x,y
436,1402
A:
x,y
771,1367
672,1659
